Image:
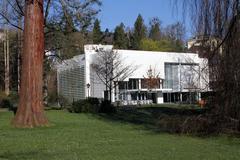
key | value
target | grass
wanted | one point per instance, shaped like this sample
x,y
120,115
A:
x,y
173,105
90,137
148,115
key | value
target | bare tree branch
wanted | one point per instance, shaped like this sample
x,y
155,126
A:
x,y
110,67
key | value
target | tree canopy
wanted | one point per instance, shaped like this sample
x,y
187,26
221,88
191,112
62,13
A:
x,y
64,21
155,31
120,38
97,35
139,32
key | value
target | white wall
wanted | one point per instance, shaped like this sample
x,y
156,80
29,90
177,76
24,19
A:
x,y
90,52
145,59
141,59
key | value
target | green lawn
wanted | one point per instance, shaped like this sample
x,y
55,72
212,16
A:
x,y
89,137
173,105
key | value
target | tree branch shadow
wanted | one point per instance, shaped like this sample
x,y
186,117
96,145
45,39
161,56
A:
x,y
147,118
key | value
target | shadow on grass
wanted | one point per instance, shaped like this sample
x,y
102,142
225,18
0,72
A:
x,y
148,117
33,154
20,155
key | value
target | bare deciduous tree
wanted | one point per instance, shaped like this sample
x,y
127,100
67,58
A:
x,y
220,19
152,79
110,67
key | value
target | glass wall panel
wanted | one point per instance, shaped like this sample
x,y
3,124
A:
x,y
171,76
72,84
181,76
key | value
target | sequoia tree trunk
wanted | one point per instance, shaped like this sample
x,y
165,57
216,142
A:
x,y
30,111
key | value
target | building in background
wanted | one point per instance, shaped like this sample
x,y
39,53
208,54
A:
x,y
204,45
182,77
207,47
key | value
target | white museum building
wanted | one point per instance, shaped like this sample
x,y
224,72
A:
x,y
182,77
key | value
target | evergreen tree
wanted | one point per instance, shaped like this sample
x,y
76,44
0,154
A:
x,y
155,32
97,33
120,38
139,32
129,35
107,37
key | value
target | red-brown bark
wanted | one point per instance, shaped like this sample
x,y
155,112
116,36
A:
x,y
30,111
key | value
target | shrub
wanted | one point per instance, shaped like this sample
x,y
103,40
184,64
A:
x,y
90,105
3,97
52,98
170,123
14,97
81,106
6,103
76,106
107,107
202,125
63,102
93,101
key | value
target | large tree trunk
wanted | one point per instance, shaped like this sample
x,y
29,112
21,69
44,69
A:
x,y
30,111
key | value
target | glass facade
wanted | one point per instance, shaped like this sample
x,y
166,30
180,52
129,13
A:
x,y
181,76
190,76
72,84
122,85
171,76
154,83
133,84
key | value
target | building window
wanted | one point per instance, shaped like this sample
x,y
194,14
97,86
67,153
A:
x,y
181,76
151,83
122,85
171,76
144,84
133,84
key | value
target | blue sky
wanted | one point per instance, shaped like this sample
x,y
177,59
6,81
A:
x,y
113,12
